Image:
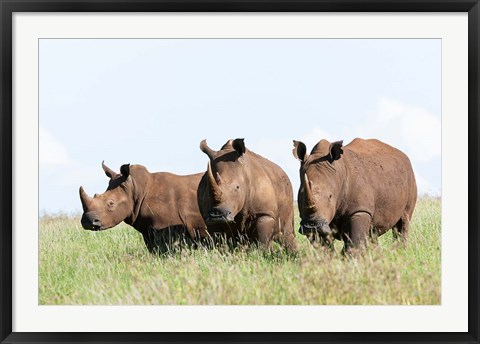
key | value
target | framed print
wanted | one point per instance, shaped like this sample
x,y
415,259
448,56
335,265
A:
x,y
237,171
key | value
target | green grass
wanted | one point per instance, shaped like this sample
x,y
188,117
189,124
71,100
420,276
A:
x,y
114,267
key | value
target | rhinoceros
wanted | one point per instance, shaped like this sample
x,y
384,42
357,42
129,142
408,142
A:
x,y
246,197
354,192
161,206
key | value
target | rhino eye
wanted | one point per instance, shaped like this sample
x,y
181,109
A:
x,y
110,203
238,187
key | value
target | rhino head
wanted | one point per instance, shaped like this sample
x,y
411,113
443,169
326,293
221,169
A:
x,y
320,186
226,182
111,207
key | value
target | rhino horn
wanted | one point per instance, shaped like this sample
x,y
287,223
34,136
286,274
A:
x,y
86,200
310,202
214,189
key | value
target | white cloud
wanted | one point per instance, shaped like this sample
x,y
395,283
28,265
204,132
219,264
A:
x,y
52,151
280,152
424,186
276,150
313,136
412,129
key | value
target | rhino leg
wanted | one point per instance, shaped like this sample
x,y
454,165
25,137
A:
x,y
284,234
400,230
289,242
156,242
167,239
355,238
321,242
327,243
265,226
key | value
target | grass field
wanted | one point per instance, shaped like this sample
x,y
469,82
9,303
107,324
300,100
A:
x,y
114,267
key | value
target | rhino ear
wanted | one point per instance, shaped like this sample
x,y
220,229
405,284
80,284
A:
x,y
299,150
207,150
227,144
125,170
335,151
239,146
108,171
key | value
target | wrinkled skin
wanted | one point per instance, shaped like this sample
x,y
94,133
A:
x,y
354,192
246,197
161,206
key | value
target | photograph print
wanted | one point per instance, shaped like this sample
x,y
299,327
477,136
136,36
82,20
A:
x,y
240,172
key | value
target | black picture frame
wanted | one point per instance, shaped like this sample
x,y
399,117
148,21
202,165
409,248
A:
x,y
8,7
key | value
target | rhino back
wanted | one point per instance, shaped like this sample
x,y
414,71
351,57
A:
x,y
270,187
380,180
171,200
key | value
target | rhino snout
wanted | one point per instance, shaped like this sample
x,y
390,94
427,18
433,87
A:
x,y
91,221
320,227
219,215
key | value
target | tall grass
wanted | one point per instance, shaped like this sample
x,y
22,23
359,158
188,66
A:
x,y
114,267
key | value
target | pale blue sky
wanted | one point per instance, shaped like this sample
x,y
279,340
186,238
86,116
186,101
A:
x,y
151,102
